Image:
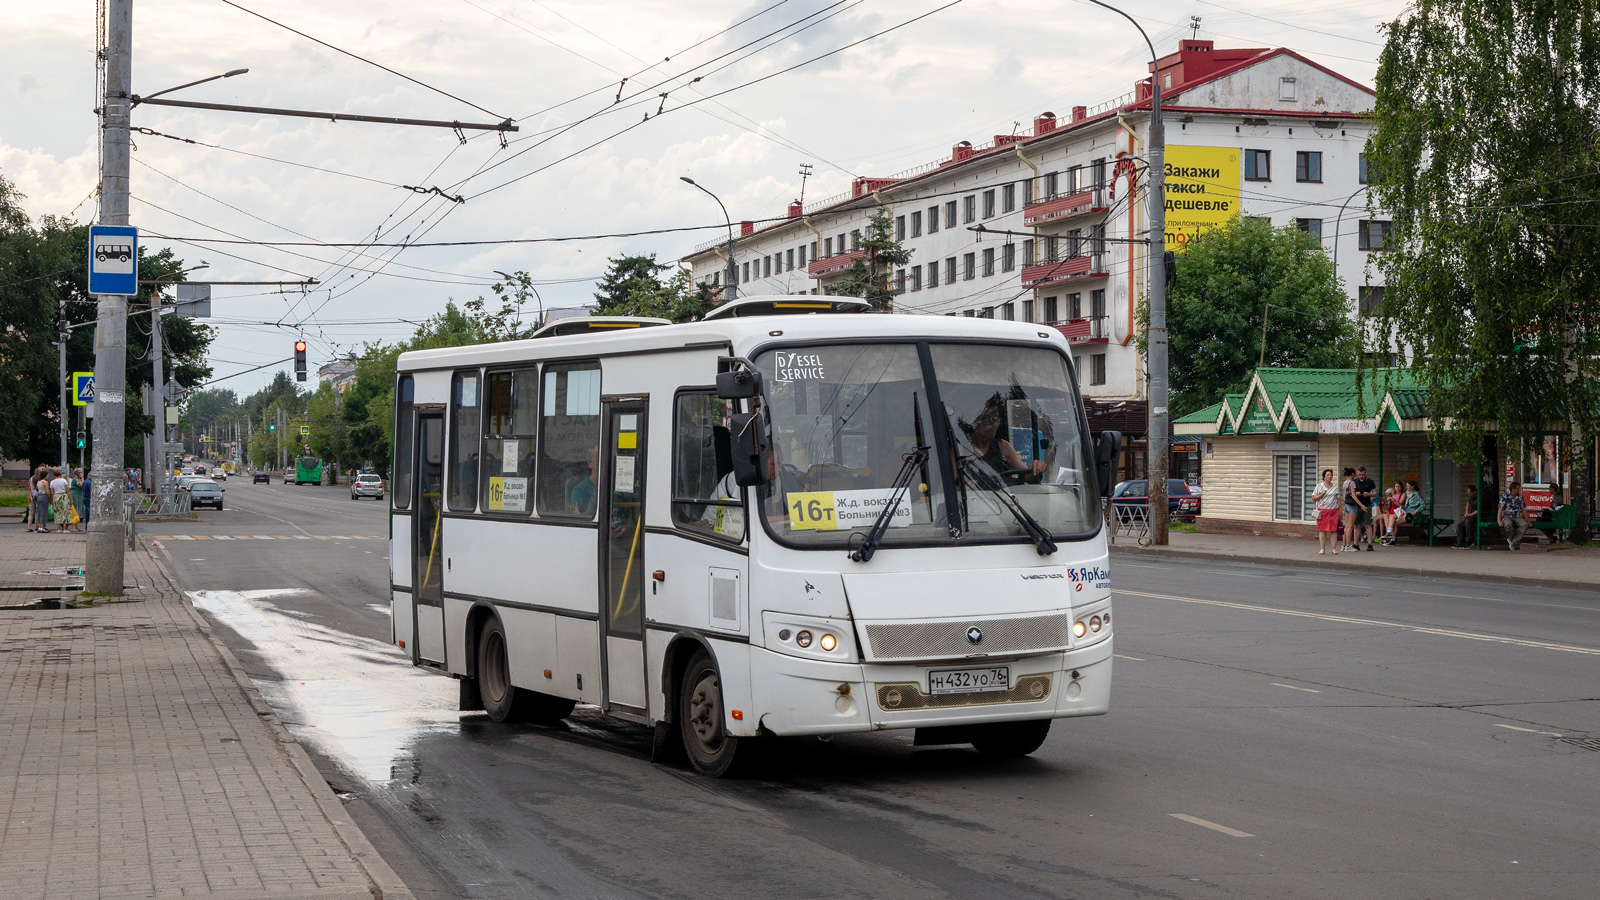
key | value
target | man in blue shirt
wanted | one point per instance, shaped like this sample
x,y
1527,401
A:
x,y
1513,521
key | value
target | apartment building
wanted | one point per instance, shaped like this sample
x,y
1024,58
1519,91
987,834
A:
x,y
1048,225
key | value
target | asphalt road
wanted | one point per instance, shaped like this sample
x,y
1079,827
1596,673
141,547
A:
x,y
1274,732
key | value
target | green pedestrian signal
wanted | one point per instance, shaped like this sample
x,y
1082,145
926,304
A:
x,y
80,440
272,427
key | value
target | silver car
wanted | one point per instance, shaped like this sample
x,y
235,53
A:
x,y
367,486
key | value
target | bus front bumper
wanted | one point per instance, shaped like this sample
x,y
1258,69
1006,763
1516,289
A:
x,y
804,696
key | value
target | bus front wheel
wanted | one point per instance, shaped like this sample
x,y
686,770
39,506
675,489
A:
x,y
1009,740
710,748
503,701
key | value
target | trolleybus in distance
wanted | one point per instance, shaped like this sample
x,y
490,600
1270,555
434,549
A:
x,y
758,524
307,470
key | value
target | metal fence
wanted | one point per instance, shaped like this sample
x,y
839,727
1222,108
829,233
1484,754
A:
x,y
1128,520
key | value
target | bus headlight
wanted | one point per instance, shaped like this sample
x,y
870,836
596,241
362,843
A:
x,y
1079,629
828,642
803,639
1094,624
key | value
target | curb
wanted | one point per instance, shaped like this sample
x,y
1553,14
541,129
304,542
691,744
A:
x,y
382,880
1553,583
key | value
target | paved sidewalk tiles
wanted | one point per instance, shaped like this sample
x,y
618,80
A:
x,y
137,760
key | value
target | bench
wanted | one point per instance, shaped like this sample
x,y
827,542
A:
x,y
1430,526
1560,523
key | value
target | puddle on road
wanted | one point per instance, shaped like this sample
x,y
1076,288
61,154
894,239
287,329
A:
x,y
356,700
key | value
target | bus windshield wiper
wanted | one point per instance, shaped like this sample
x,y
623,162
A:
x,y
1041,537
914,461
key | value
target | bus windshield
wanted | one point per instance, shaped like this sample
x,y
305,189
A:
x,y
849,421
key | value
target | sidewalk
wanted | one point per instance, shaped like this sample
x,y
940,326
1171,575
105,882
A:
x,y
137,760
1573,568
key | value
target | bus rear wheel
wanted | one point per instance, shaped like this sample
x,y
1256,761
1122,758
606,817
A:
x,y
1009,740
503,701
711,750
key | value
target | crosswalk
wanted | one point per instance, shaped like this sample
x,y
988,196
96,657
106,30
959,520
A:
x,y
267,537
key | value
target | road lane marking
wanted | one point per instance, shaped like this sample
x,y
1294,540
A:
x,y
1528,730
1194,820
1293,688
1134,658
1352,620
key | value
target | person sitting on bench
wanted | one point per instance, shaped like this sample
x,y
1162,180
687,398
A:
x,y
1467,528
1513,521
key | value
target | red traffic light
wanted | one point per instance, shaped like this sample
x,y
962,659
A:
x,y
299,346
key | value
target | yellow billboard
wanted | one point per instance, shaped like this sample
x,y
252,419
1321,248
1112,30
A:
x,y
1201,191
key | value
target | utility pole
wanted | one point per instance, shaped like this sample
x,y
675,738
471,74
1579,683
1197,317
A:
x,y
62,334
103,549
158,389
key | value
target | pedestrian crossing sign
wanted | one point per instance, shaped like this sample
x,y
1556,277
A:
x,y
82,388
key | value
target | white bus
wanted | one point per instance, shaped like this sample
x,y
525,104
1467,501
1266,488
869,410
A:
x,y
761,523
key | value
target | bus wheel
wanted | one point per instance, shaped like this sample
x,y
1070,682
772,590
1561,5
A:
x,y
710,748
501,700
1008,740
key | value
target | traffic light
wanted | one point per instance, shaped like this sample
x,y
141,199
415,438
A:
x,y
272,426
299,360
80,440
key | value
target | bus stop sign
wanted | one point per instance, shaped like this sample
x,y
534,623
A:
x,y
113,260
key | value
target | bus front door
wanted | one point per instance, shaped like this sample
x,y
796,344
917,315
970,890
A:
x,y
622,535
428,539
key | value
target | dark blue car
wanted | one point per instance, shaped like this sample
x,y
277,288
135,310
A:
x,y
1183,502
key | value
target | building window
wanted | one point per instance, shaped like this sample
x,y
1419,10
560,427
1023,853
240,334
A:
x,y
1027,191
814,250
1052,249
986,313
1294,476
839,242
1258,165
1361,169
855,240
933,274
988,203
1287,88
1308,165
1027,310
950,214
802,256
746,278
916,278
1074,179
827,246
1074,306
899,228
788,260
1008,312
1312,227
969,266
969,313
766,267
916,224
1097,248
1369,300
899,281
1097,368
1008,257
1097,170
969,208
1008,197
1027,252
933,219
1097,304
1373,234
1050,310
1052,185
988,261
1077,366
950,270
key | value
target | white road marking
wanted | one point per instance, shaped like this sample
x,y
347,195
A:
x,y
1193,820
1293,688
1352,620
1528,730
1123,565
1134,658
1456,596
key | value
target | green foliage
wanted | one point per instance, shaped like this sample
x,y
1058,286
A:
x,y
868,276
1487,157
627,277
1225,281
678,299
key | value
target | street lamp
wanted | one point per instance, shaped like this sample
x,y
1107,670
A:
x,y
229,74
1156,359
733,271
519,299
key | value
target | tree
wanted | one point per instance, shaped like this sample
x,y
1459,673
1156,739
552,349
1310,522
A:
x,y
868,275
627,277
1487,156
1225,282
678,299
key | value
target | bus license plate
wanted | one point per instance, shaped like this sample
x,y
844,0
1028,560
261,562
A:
x,y
964,681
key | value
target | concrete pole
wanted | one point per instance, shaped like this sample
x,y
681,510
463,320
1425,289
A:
x,y
158,386
104,548
62,336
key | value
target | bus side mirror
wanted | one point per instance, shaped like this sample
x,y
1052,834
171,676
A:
x,y
722,450
739,384
1106,450
750,452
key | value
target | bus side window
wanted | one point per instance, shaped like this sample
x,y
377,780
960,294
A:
x,y
569,439
509,426
405,393
465,408
704,497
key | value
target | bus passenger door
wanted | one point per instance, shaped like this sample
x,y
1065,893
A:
x,y
622,574
428,558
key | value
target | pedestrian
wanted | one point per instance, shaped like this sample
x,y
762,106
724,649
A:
x,y
1366,491
29,513
1348,491
1326,498
61,500
41,501
1513,521
1383,519
1467,528
75,500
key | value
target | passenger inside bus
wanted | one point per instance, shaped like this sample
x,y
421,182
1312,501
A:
x,y
997,452
582,495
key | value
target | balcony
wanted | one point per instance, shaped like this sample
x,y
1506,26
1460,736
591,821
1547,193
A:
x,y
1063,207
1093,330
833,265
1070,268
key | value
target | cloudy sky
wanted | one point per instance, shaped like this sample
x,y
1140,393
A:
x,y
581,163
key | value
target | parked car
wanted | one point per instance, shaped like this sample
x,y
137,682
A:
x,y
204,493
261,477
367,486
1183,502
